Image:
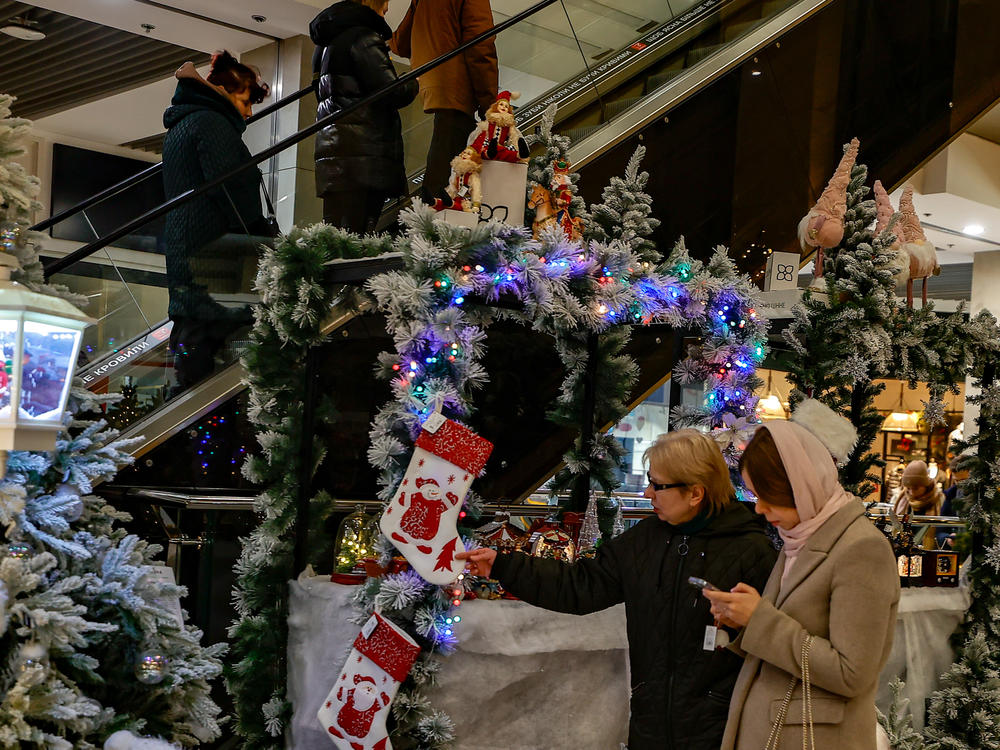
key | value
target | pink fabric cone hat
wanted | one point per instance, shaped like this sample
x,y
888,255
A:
x,y
823,226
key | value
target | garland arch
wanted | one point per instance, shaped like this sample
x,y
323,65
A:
x,y
455,281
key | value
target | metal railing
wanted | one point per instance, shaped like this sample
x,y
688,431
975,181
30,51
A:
x,y
138,177
61,264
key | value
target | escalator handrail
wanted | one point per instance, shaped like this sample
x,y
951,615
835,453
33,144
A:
x,y
79,254
152,170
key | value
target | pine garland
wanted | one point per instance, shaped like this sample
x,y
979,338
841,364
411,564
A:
x,y
296,299
965,712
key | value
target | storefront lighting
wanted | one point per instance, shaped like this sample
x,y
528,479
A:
x,y
771,407
901,420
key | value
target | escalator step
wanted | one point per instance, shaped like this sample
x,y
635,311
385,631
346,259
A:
x,y
576,134
613,109
698,54
736,30
770,7
655,81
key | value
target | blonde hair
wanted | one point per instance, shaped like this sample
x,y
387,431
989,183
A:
x,y
693,458
375,5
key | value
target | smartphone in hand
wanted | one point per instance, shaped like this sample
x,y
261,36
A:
x,y
701,583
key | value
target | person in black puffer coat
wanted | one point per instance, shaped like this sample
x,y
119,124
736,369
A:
x,y
359,158
208,238
680,692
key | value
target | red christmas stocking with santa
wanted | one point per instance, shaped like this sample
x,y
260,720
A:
x,y
421,519
354,712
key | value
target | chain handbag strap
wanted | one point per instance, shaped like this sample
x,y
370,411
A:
x,y
774,738
807,722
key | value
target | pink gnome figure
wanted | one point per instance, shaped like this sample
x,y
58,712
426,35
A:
x,y
923,254
823,226
884,213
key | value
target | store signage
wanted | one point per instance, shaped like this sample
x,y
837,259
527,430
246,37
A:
x,y
113,361
782,271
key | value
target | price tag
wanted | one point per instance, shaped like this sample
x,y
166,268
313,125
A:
x,y
434,422
163,574
369,627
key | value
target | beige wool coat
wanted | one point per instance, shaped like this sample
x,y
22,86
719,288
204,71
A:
x,y
844,590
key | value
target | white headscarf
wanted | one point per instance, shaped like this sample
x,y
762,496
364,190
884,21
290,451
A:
x,y
815,485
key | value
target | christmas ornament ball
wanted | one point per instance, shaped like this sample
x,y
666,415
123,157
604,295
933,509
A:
x,y
151,667
33,658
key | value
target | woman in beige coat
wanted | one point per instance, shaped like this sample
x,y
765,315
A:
x,y
835,580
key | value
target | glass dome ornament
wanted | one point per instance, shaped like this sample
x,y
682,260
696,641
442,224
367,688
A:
x,y
354,543
151,667
39,342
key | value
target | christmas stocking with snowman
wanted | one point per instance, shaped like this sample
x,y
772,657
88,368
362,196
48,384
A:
x,y
421,519
354,712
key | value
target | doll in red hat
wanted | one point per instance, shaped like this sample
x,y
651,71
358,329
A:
x,y
498,138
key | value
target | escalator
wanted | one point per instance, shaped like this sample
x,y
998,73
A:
x,y
742,106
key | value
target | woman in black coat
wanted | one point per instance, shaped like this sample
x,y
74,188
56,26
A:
x,y
680,690
359,158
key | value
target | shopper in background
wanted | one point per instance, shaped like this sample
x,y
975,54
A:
x,y
830,603
453,91
359,158
919,493
206,239
680,687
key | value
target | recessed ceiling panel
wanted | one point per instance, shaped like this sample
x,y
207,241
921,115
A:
x,y
78,61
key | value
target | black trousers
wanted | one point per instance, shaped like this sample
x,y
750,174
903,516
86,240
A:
x,y
451,133
356,211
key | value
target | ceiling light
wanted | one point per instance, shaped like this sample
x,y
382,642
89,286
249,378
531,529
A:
x,y
755,72
23,28
973,229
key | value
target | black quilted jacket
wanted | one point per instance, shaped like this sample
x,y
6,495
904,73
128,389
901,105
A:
x,y
205,140
351,61
680,693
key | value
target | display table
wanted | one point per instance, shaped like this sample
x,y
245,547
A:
x,y
921,650
523,678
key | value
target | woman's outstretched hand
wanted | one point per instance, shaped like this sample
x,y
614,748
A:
x,y
733,608
479,562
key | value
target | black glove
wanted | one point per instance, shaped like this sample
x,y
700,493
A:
x,y
522,148
491,149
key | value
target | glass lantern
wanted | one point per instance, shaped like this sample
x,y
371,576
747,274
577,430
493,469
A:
x,y
354,542
39,340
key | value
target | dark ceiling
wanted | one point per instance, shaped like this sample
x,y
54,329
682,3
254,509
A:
x,y
78,62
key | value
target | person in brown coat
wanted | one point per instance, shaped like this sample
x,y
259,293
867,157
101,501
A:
x,y
453,91
834,581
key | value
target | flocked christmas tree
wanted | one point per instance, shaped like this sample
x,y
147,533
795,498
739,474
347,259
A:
x,y
842,338
92,640
626,213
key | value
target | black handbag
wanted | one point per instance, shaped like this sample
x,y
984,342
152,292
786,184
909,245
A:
x,y
270,220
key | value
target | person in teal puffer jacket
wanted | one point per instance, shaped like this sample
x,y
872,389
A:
x,y
211,240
